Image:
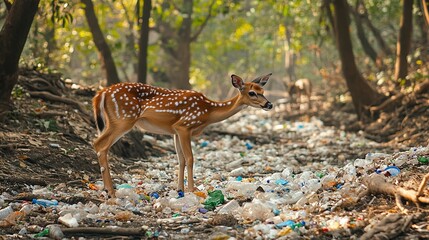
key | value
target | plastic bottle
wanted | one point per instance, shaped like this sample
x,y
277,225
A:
x,y
184,204
55,232
45,202
43,233
231,207
68,220
127,193
5,212
256,211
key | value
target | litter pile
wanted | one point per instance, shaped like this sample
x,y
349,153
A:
x,y
258,177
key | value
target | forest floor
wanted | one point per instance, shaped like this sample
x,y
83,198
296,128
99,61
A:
x,y
282,174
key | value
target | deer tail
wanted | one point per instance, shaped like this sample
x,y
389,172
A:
x,y
98,106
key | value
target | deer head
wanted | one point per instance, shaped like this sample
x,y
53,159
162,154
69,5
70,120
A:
x,y
252,93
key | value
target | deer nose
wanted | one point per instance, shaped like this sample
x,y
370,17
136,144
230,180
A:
x,y
268,105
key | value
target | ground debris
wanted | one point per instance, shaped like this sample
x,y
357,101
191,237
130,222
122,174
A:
x,y
389,227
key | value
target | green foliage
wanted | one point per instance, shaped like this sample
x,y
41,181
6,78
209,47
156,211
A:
x,y
242,37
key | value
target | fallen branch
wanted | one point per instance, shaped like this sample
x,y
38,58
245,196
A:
x,y
389,227
104,231
390,102
377,184
51,97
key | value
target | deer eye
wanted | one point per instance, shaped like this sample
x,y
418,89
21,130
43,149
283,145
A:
x,y
252,94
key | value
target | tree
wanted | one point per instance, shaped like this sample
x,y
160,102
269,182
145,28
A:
x,y
404,41
13,36
366,45
363,13
363,95
176,41
144,41
107,63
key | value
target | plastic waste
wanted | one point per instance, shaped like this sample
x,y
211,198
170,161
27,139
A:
x,y
45,202
127,193
237,172
244,189
189,202
204,144
202,210
248,146
215,198
124,185
290,223
43,233
55,232
256,211
391,171
68,220
5,212
423,160
281,182
154,195
181,193
232,207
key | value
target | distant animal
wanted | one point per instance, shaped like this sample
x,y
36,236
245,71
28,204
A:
x,y
300,90
180,113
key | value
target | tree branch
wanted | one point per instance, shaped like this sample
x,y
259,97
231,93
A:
x,y
8,5
203,25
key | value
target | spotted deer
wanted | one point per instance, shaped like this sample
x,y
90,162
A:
x,y
180,113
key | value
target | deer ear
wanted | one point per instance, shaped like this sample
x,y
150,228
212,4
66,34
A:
x,y
262,80
237,82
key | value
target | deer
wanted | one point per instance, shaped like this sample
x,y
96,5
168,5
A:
x,y
298,89
180,113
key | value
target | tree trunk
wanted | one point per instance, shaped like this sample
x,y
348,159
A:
x,y
144,42
367,47
176,43
423,28
377,35
107,64
327,9
425,9
404,41
290,56
13,36
181,78
363,95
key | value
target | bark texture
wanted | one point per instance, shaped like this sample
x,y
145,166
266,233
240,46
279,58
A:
x,y
144,42
362,93
107,64
13,36
404,40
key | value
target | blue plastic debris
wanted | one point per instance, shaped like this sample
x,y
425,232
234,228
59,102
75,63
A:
x,y
288,223
124,185
281,182
204,144
181,193
154,195
44,202
248,146
202,210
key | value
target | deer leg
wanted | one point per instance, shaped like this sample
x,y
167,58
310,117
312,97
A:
x,y
185,142
102,145
181,158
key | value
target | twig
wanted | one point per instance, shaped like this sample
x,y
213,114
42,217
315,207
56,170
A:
x,y
104,231
377,184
